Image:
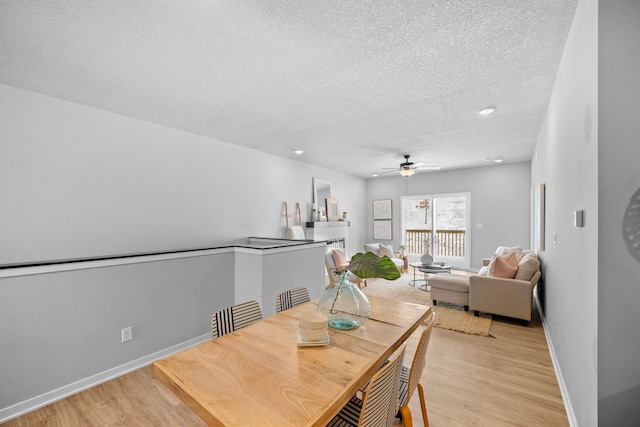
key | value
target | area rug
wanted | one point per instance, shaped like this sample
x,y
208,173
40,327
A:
x,y
448,316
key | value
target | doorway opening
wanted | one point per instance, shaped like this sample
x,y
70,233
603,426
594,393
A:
x,y
437,224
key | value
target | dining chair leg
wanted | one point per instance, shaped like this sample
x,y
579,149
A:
x,y
423,405
405,415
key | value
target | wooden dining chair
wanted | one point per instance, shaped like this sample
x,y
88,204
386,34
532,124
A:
x,y
234,317
410,378
291,298
379,405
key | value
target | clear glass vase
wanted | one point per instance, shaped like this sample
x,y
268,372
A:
x,y
344,305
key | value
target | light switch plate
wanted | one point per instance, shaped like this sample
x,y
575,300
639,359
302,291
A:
x,y
578,218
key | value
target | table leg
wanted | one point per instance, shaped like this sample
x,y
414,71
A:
x,y
413,282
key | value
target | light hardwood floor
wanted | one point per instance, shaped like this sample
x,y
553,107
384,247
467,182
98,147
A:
x,y
504,380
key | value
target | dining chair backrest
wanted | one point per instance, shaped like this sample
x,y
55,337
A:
x,y
291,298
379,405
410,378
234,317
419,358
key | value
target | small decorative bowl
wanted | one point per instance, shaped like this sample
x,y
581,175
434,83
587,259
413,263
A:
x,y
312,326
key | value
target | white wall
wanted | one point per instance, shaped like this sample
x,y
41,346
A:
x,y
618,180
500,201
566,161
77,181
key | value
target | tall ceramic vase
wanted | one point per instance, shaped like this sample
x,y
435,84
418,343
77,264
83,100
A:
x,y
344,305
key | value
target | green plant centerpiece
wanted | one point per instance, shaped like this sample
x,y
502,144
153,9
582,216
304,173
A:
x,y
344,304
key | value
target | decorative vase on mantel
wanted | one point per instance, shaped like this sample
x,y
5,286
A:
x,y
344,305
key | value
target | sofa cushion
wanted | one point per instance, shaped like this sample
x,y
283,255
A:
x,y
386,250
339,258
483,270
504,266
527,267
451,282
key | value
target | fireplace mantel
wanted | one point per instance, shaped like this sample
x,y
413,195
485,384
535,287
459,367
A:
x,y
335,233
327,224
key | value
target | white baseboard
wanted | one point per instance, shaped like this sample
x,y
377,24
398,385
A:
x,y
78,386
573,422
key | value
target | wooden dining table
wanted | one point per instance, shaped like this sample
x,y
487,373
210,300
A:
x,y
260,376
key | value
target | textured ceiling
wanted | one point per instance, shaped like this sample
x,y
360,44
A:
x,y
355,84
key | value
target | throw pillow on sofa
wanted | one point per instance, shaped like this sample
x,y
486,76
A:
x,y
527,267
504,266
503,250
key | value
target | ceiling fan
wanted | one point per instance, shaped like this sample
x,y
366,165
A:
x,y
408,168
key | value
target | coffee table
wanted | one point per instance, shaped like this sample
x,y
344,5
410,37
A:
x,y
426,269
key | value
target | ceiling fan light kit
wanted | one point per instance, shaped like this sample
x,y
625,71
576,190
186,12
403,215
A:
x,y
408,168
406,171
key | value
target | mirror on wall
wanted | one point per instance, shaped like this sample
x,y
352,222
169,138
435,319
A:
x,y
321,191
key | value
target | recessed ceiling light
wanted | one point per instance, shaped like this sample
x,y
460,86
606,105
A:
x,y
498,160
375,174
487,110
298,152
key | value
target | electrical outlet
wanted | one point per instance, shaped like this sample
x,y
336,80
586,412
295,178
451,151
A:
x,y
127,334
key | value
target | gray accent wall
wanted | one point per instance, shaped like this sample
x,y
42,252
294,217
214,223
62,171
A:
x,y
566,161
619,215
587,156
60,328
500,201
61,324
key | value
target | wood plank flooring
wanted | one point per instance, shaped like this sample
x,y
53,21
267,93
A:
x,y
505,380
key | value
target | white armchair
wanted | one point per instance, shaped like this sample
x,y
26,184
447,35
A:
x,y
330,257
380,250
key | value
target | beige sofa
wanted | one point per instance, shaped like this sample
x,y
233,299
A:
x,y
510,297
506,297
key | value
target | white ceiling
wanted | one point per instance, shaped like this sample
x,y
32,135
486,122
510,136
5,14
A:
x,y
355,84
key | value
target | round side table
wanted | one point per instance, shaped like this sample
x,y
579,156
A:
x,y
426,269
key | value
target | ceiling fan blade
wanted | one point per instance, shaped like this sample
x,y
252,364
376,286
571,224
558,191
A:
x,y
418,164
428,167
